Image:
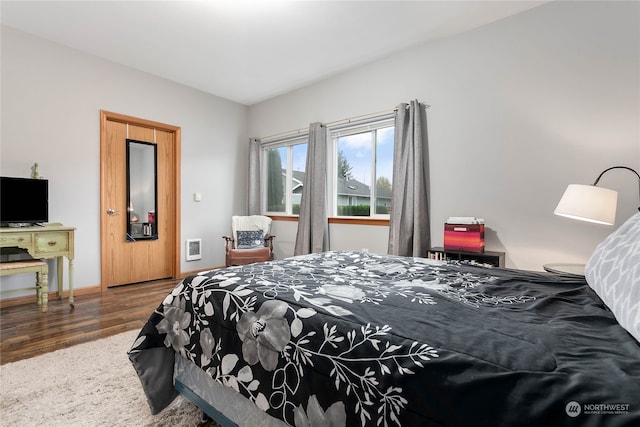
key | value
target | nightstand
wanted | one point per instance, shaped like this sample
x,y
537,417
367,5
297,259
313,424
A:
x,y
565,268
492,258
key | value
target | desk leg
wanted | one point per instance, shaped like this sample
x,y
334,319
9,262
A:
x,y
44,294
38,289
59,266
71,282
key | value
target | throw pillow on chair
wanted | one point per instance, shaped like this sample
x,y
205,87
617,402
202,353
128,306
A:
x,y
250,239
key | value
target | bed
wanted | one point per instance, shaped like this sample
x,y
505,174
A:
x,y
358,339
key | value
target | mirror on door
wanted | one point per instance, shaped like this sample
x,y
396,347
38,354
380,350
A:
x,y
142,191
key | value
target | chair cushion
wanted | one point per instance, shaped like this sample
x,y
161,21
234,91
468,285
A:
x,y
250,239
261,252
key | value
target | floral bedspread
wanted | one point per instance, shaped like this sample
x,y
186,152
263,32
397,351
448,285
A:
x,y
358,339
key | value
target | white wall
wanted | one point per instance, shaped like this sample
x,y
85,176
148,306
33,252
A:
x,y
519,109
51,99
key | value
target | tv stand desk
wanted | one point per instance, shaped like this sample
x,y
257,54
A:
x,y
49,241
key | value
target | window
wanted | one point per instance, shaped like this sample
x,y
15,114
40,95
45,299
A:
x,y
361,170
284,176
364,170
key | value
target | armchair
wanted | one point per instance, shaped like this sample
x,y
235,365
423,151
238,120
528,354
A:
x,y
250,240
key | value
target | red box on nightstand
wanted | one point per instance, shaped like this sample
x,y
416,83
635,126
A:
x,y
464,237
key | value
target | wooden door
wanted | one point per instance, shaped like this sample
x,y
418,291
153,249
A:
x,y
122,261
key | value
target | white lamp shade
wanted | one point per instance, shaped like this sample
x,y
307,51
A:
x,y
588,203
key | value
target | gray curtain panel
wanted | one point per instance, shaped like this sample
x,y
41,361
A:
x,y
409,229
254,207
313,232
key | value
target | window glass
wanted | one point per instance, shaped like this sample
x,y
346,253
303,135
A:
x,y
360,175
299,156
275,183
284,177
353,194
384,170
364,171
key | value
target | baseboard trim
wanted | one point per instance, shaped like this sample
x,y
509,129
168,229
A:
x,y
30,299
87,290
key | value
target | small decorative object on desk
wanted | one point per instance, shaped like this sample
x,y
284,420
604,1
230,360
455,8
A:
x,y
34,171
464,234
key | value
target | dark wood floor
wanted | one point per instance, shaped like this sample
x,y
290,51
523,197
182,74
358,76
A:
x,y
26,332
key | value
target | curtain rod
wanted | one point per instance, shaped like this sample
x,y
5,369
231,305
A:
x,y
359,118
284,135
304,131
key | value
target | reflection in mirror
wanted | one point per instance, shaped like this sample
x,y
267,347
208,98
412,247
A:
x,y
142,191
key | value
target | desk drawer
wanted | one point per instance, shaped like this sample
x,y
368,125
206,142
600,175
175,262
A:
x,y
49,243
16,239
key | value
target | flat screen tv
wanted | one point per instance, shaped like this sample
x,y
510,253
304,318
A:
x,y
23,201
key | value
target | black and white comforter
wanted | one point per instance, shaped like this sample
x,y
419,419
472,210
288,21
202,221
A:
x,y
357,339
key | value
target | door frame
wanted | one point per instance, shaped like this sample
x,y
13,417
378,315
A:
x,y
106,116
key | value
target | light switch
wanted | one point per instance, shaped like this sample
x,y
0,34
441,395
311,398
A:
x,y
197,197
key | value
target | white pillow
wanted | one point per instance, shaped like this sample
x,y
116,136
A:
x,y
613,271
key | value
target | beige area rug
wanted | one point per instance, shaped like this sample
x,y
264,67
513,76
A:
x,y
90,384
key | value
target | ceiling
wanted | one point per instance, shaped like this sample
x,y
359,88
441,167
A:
x,y
249,50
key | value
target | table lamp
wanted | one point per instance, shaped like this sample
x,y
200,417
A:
x,y
591,203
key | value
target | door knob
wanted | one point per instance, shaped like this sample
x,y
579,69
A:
x,y
112,212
